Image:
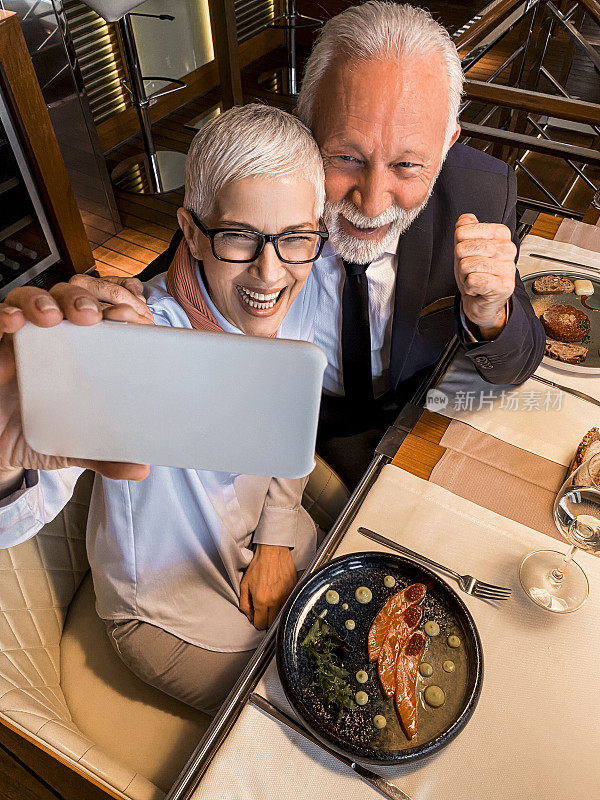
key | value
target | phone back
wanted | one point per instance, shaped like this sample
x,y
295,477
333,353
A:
x,y
170,396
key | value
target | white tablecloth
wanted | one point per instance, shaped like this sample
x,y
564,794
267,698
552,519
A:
x,y
535,732
532,416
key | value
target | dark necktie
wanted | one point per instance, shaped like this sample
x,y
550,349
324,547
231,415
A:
x,y
356,336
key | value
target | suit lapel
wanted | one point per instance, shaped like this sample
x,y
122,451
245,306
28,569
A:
x,y
412,276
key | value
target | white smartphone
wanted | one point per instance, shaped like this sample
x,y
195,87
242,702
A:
x,y
170,396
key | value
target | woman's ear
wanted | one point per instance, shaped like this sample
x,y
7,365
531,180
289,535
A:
x,y
189,230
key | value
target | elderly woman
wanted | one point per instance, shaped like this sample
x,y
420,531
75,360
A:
x,y
189,566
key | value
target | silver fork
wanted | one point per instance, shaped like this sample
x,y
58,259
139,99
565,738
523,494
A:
x,y
469,584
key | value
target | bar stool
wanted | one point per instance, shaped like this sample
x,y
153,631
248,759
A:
x,y
291,21
154,171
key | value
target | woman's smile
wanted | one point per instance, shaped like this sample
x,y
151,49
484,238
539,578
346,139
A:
x,y
260,303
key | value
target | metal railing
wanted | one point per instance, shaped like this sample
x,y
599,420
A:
x,y
521,113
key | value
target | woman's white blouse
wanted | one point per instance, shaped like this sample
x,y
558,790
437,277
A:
x,y
171,549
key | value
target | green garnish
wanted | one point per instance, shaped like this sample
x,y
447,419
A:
x,y
321,642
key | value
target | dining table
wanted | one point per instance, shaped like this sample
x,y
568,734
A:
x,y
467,475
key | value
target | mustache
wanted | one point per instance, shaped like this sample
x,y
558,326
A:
x,y
350,212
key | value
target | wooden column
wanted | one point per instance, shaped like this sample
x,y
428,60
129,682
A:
x,y
224,34
25,100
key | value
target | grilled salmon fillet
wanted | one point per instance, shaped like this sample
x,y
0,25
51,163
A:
x,y
397,634
406,682
396,604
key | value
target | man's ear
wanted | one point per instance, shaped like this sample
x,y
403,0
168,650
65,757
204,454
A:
x,y
189,230
455,136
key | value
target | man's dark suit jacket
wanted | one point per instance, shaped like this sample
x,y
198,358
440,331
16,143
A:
x,y
470,182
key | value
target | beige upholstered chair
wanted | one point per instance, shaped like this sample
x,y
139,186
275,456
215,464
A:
x,y
62,685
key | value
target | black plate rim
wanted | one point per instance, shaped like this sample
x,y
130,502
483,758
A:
x,y
413,753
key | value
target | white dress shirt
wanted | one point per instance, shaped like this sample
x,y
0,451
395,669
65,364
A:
x,y
171,549
329,275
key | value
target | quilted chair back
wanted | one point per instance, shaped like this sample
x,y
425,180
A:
x,y
38,580
95,694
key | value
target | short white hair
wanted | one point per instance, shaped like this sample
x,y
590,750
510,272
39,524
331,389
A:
x,y
248,141
380,30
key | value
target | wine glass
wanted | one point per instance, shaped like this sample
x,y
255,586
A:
x,y
552,580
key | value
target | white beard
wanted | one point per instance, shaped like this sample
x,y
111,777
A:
x,y
363,251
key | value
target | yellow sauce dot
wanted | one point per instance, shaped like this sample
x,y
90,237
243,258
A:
x,y
448,666
362,698
332,597
350,624
432,628
426,669
389,581
345,606
361,676
434,696
379,721
453,641
363,594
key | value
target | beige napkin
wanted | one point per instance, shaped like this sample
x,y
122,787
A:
x,y
580,234
262,759
534,733
512,482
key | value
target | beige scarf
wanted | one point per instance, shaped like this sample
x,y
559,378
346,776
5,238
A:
x,y
182,284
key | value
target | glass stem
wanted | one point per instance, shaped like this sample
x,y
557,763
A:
x,y
557,574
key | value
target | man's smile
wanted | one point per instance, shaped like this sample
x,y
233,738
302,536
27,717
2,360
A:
x,y
363,233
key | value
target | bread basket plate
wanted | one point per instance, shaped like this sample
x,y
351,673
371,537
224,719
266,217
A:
x,y
541,302
353,732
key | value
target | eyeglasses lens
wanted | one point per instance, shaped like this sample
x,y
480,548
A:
x,y
236,245
243,246
298,246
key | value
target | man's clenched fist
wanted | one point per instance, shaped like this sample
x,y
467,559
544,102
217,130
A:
x,y
484,268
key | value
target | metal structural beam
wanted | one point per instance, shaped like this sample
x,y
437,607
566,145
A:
x,y
584,155
574,34
533,102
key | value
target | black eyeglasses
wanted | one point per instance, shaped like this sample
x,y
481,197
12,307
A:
x,y
239,246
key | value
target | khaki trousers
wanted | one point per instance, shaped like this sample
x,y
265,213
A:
x,y
201,678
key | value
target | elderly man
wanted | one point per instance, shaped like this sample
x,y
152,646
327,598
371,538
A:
x,y
427,216
422,230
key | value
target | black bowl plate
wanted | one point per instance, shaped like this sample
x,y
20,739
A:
x,y
352,733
